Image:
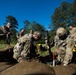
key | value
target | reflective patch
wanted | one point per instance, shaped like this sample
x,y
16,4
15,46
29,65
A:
x,y
74,48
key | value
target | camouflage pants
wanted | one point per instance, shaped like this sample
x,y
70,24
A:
x,y
68,56
65,55
17,51
61,54
20,51
69,52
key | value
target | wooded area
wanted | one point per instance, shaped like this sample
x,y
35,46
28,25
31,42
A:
x,y
63,16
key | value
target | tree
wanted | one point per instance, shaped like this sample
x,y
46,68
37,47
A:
x,y
27,26
72,13
35,27
60,18
13,21
63,16
38,27
14,26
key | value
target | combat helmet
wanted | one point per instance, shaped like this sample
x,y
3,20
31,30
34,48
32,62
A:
x,y
61,31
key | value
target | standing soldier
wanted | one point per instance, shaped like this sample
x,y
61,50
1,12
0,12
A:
x,y
64,45
20,34
25,46
5,33
73,32
73,35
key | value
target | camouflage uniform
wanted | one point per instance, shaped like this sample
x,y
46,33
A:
x,y
64,44
3,34
4,30
73,33
23,48
19,34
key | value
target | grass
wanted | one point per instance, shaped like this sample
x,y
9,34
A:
x,y
41,53
2,46
45,53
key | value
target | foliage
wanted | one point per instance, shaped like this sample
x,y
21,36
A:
x,y
35,27
12,20
14,26
72,13
63,16
27,26
52,33
60,16
2,45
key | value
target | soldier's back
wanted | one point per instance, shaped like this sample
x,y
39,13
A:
x,y
24,38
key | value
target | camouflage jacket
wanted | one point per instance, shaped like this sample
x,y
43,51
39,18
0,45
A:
x,y
59,42
23,45
4,30
19,35
73,33
64,43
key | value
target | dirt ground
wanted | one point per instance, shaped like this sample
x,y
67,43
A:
x,y
35,68
32,68
65,70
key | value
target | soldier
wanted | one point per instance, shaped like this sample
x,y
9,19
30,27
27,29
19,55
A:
x,y
73,32
5,33
20,34
64,44
25,46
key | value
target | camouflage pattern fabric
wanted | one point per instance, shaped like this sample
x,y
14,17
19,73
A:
x,y
4,34
61,31
17,50
4,30
60,46
22,48
73,33
69,53
64,47
19,35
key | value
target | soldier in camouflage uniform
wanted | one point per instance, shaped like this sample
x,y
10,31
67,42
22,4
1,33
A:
x,y
5,33
64,44
73,32
73,35
25,45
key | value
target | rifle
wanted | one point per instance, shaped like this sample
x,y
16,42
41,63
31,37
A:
x,y
49,48
48,42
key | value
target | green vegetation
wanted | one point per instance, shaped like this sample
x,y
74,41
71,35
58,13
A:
x,y
63,16
2,46
43,53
